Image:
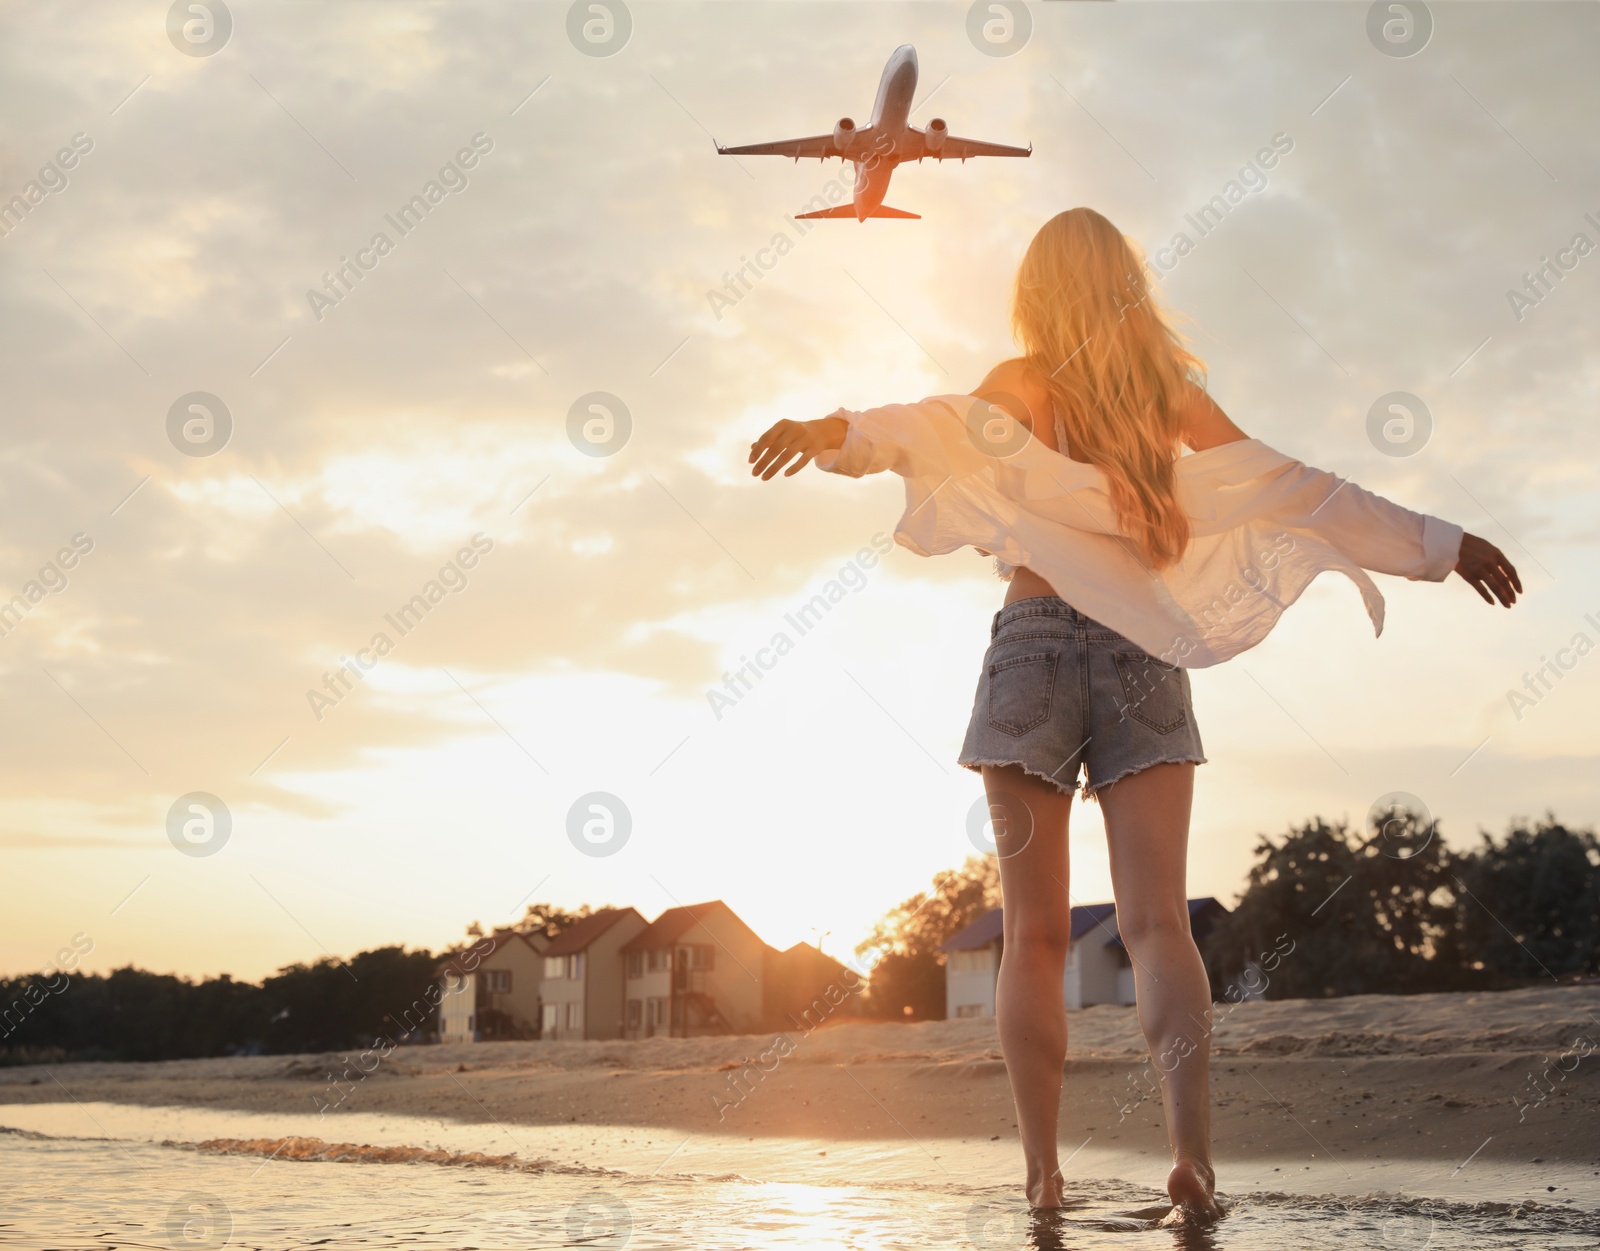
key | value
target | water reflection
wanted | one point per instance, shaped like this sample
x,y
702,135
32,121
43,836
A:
x,y
71,1194
999,1225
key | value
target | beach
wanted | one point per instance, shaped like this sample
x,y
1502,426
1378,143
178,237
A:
x,y
1435,1098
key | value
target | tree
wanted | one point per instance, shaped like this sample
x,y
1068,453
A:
x,y
331,1005
550,920
1529,908
1346,915
907,980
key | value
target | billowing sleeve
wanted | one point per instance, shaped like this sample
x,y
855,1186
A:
x,y
908,439
860,454
1374,532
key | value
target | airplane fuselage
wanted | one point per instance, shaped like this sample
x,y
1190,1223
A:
x,y
892,109
887,134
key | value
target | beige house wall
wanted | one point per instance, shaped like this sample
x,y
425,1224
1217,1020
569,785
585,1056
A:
x,y
734,980
457,1009
650,987
591,1004
464,987
603,997
561,997
516,958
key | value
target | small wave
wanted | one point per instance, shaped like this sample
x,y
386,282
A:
x,y
36,1136
315,1149
1425,1214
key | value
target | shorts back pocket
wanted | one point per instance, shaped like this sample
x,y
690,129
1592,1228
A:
x,y
1019,692
1154,691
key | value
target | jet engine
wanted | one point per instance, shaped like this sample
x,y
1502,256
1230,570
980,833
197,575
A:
x,y
934,135
844,134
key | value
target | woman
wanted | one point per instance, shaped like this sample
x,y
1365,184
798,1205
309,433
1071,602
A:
x,y
1067,464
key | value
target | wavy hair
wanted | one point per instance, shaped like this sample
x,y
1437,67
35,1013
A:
x,y
1084,313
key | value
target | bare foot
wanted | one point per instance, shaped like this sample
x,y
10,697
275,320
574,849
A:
x,y
1044,1190
1192,1188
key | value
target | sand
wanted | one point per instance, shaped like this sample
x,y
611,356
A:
x,y
1441,1094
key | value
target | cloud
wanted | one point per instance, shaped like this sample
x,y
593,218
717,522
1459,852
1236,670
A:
x,y
428,404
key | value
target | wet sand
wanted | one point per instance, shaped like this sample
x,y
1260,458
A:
x,y
1430,1095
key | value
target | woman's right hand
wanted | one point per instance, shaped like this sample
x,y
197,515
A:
x,y
789,439
1486,568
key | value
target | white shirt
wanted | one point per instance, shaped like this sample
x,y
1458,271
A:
x,y
1263,526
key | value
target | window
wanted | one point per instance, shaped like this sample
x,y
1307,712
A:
x,y
549,1018
635,1012
636,964
575,965
498,981
658,959
572,1015
555,966
970,1009
653,1012
696,956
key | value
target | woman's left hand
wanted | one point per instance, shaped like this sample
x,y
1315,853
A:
x,y
1487,570
787,440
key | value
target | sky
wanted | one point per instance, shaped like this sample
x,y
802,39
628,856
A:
x,y
185,780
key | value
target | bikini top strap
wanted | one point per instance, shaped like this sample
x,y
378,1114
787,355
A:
x,y
1061,426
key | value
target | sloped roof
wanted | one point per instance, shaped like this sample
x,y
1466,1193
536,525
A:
x,y
533,938
1085,917
988,927
982,932
667,928
502,934
581,933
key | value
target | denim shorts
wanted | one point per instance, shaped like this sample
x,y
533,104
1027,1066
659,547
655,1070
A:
x,y
1060,692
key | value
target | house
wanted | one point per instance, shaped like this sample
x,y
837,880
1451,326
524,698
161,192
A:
x,y
582,987
696,969
693,970
1098,969
491,989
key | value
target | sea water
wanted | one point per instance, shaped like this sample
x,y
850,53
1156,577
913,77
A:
x,y
124,1189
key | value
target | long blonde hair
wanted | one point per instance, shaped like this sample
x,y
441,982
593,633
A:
x,y
1084,314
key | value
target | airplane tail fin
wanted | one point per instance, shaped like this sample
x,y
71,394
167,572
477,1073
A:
x,y
849,210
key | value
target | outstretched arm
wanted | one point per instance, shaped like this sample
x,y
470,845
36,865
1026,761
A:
x,y
1480,563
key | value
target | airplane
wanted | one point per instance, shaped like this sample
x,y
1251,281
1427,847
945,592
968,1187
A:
x,y
877,148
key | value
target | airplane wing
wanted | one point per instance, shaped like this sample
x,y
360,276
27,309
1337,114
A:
x,y
820,147
958,149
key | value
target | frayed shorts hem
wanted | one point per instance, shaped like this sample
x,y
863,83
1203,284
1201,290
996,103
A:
x,y
1140,768
1062,788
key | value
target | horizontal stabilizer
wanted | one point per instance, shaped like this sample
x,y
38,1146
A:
x,y
849,210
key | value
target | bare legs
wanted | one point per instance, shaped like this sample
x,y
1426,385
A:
x,y
1147,828
1030,827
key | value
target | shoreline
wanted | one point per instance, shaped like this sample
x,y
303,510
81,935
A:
x,y
983,1169
1427,1095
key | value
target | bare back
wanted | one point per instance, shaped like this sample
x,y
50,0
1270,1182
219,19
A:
x,y
1018,388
